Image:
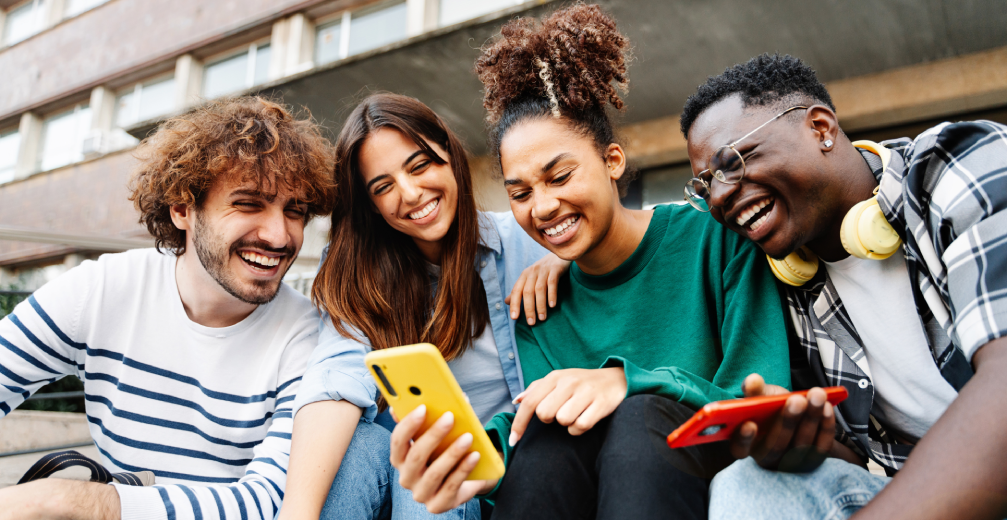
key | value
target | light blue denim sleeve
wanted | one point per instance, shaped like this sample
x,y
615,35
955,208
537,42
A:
x,y
336,371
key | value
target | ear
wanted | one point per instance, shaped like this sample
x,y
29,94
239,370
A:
x,y
182,215
615,161
824,125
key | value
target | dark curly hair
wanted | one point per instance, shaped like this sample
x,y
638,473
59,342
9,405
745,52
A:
x,y
562,66
765,80
241,139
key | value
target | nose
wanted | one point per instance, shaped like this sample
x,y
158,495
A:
x,y
273,228
412,192
721,193
545,207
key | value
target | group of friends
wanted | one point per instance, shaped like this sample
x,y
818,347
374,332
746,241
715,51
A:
x,y
582,331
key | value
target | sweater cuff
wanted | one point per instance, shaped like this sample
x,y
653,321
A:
x,y
140,503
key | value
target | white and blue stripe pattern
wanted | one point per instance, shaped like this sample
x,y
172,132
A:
x,y
207,410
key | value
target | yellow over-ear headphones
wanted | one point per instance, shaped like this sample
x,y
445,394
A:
x,y
865,233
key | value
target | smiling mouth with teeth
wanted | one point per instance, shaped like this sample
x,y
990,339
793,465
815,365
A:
x,y
561,228
259,261
754,216
425,210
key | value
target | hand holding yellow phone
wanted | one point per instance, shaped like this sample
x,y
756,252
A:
x,y
416,375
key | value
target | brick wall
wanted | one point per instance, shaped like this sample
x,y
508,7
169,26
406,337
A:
x,y
87,198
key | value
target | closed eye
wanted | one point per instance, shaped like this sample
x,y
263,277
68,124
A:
x,y
519,195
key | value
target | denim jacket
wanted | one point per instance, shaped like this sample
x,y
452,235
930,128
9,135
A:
x,y
336,368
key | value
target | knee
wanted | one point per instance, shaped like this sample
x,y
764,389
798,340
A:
x,y
369,447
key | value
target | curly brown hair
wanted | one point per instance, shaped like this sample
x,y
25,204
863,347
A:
x,y
238,139
563,66
570,58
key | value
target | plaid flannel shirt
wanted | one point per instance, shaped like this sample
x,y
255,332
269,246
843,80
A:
x,y
945,193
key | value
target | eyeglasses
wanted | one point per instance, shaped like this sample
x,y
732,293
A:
x,y
726,165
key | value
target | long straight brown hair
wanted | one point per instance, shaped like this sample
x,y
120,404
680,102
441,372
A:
x,y
374,278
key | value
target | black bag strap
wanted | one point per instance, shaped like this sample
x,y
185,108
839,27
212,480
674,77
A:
x,y
61,460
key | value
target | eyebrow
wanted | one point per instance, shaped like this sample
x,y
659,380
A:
x,y
385,175
548,166
254,193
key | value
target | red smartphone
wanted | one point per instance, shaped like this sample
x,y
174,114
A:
x,y
717,421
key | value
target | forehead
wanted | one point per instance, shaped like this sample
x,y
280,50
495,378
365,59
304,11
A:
x,y
723,123
267,188
530,145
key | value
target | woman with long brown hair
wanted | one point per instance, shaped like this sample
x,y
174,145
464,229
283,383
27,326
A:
x,y
410,260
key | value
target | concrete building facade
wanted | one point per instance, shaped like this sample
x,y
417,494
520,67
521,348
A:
x,y
81,81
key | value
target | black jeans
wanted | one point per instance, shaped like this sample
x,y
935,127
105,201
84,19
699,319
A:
x,y
622,468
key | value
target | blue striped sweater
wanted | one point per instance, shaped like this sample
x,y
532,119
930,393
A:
x,y
206,409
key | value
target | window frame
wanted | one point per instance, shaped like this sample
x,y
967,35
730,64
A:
x,y
251,51
6,132
345,20
137,90
39,10
66,9
74,110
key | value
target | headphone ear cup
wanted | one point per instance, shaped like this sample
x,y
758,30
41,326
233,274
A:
x,y
797,269
866,233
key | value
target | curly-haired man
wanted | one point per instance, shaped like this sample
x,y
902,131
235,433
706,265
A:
x,y
191,352
893,256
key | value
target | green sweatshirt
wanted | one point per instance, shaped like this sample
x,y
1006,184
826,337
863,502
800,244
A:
x,y
690,314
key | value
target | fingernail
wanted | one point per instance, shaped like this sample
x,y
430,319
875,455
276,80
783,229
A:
x,y
552,303
816,399
531,321
419,413
446,420
513,315
474,458
541,316
793,408
512,440
464,441
518,398
827,413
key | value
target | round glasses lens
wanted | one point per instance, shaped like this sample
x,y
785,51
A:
x,y
696,195
727,165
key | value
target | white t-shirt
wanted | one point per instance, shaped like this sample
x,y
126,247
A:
x,y
480,374
208,410
910,393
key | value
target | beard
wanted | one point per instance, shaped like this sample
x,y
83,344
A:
x,y
214,252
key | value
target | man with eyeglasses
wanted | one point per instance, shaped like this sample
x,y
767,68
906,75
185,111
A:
x,y
913,331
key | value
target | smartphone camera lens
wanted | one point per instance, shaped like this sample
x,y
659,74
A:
x,y
384,380
413,390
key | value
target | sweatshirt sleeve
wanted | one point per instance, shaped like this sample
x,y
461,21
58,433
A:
x,y
336,371
35,339
753,330
258,494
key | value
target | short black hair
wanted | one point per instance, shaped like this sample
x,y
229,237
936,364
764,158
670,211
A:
x,y
763,80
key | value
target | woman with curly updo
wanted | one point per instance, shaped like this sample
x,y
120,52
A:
x,y
661,312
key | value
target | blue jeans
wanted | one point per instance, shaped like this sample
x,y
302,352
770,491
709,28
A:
x,y
834,491
367,486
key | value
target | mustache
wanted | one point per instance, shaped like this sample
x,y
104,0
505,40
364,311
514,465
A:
x,y
256,244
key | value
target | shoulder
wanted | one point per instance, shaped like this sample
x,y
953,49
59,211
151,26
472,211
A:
x,y
113,273
292,309
503,230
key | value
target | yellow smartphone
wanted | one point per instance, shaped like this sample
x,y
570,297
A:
x,y
412,375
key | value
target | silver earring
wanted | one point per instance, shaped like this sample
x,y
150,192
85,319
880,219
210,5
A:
x,y
828,143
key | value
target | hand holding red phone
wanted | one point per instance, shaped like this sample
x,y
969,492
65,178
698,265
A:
x,y
804,425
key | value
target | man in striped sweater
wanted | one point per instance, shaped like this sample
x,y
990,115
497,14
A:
x,y
190,353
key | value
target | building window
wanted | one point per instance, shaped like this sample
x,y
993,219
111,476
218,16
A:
x,y
238,72
664,184
9,143
360,31
24,21
75,7
63,135
145,101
